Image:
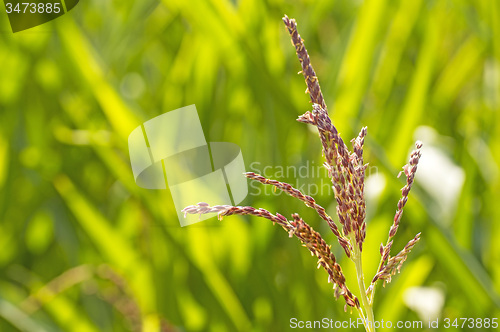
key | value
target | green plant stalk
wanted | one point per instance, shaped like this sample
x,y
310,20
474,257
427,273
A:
x,y
356,257
362,315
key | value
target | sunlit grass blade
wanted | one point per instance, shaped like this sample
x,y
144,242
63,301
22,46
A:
x,y
358,59
416,100
91,70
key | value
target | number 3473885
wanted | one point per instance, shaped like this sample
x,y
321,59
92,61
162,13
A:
x,y
33,8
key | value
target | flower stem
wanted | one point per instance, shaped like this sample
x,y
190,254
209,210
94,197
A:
x,y
370,323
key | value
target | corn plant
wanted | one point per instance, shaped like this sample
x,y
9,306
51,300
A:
x,y
346,170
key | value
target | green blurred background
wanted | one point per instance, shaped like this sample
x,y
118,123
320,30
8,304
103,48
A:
x,y
83,248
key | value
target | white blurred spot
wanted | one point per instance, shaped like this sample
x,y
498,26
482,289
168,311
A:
x,y
427,302
374,186
438,174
